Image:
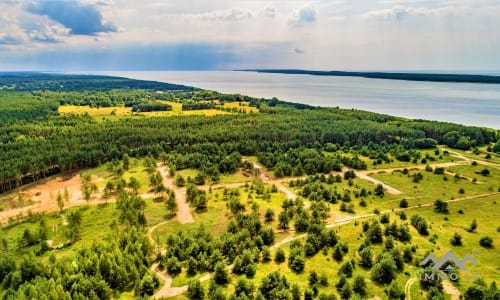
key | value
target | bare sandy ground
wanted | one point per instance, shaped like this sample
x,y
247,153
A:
x,y
44,196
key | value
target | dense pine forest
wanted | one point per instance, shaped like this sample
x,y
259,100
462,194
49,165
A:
x,y
36,141
252,241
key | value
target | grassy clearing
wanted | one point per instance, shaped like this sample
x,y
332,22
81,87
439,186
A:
x,y
431,187
428,154
96,221
187,173
116,112
200,112
480,155
101,114
96,225
238,177
213,219
240,106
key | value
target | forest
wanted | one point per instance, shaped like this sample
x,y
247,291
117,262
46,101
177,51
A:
x,y
433,77
276,190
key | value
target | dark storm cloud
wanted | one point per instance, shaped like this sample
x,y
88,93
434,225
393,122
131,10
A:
x,y
79,18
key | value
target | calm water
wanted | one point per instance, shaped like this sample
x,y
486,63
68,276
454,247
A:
x,y
465,103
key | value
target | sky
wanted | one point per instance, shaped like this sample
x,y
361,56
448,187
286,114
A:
x,y
80,35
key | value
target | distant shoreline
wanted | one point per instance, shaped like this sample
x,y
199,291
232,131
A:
x,y
432,77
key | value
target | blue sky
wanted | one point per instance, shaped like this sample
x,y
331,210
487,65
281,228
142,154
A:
x,y
203,35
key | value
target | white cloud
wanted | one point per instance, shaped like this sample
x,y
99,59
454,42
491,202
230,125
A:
x,y
226,15
21,28
304,15
270,11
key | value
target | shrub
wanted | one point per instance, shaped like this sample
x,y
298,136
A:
x,y
456,240
403,203
420,224
441,206
279,256
195,291
439,170
486,242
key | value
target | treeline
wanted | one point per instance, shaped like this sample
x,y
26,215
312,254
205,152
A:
x,y
396,75
28,151
21,81
192,105
151,106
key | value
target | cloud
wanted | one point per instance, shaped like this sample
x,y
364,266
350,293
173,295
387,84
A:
x,y
80,19
304,16
227,15
401,12
270,11
298,50
397,13
18,27
307,15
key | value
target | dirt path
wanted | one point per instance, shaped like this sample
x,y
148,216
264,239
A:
x,y
278,182
152,229
451,290
469,160
184,212
222,186
167,290
408,285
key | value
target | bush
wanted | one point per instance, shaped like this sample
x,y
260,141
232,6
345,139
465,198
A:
x,y
420,224
359,285
486,242
473,226
269,215
379,190
384,271
403,203
394,292
296,260
221,276
485,172
173,266
279,256
195,290
456,240
441,206
439,170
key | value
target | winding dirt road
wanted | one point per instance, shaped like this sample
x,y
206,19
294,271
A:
x,y
184,212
